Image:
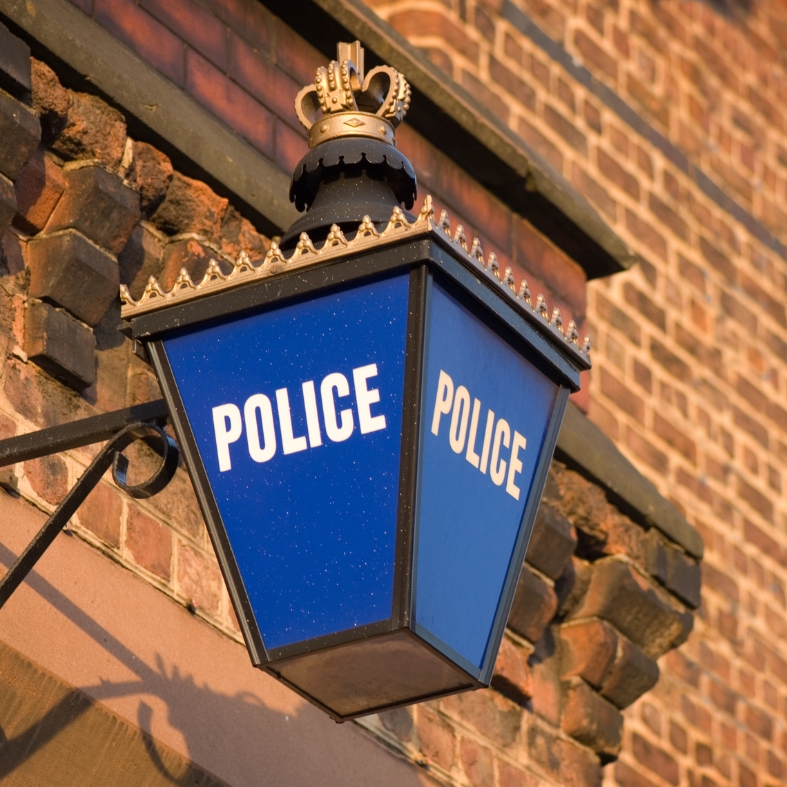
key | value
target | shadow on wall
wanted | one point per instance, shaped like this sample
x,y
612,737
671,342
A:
x,y
20,743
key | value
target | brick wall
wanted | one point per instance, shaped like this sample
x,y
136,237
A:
x,y
668,116
575,654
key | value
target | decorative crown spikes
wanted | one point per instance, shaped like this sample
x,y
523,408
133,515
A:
x,y
338,245
344,101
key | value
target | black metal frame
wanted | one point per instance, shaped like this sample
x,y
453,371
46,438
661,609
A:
x,y
426,259
121,428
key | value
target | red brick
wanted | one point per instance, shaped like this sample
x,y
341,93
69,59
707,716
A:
x,y
150,174
190,207
491,715
756,499
435,23
437,738
256,74
646,451
50,99
92,130
251,20
592,720
186,253
622,396
97,204
646,236
508,776
593,54
655,759
149,542
565,763
594,191
534,605
771,305
739,312
8,205
198,578
566,129
619,594
668,217
616,174
618,318
229,103
193,24
49,478
626,776
540,143
239,234
72,272
588,650
512,84
632,675
718,261
101,514
466,197
60,345
478,763
512,676
38,189
291,147
671,362
675,437
292,54
480,90
147,37
20,130
655,106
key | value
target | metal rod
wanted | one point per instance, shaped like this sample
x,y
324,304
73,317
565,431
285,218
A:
x,y
79,433
109,456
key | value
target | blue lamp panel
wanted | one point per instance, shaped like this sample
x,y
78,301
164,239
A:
x,y
484,418
297,415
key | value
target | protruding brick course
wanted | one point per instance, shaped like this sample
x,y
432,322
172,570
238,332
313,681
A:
x,y
97,204
60,345
68,270
20,131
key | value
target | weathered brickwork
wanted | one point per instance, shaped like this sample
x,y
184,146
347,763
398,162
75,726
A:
x,y
601,599
668,117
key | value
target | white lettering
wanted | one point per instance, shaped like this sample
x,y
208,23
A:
x,y
490,422
471,455
336,432
226,433
289,443
444,400
312,416
365,397
458,431
515,464
263,404
497,471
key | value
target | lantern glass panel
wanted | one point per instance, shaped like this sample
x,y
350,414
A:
x,y
311,523
484,417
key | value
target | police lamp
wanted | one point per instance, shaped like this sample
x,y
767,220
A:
x,y
368,415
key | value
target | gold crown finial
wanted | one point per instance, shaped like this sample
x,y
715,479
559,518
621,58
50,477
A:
x,y
346,102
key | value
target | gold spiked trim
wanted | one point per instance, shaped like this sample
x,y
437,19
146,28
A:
x,y
336,246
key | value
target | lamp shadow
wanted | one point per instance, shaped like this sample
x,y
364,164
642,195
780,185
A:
x,y
243,710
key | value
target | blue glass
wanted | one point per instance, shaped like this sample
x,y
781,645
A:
x,y
468,514
313,531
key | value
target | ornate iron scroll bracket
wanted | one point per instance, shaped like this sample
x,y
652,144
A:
x,y
121,428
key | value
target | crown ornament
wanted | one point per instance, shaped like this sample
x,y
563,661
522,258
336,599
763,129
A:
x,y
343,101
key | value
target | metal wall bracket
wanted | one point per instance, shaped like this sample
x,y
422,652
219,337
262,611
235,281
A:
x,y
121,428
